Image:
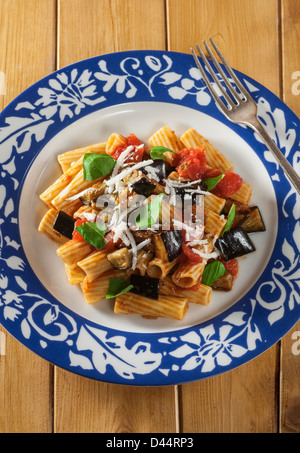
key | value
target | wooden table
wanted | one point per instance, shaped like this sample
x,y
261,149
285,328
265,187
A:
x,y
259,37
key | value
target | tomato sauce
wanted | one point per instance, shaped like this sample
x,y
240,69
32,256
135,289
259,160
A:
x,y
77,236
232,266
136,155
193,257
191,163
228,185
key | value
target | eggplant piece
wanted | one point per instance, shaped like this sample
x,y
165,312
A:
x,y
143,235
145,286
239,218
223,283
159,248
160,169
254,221
168,246
234,243
64,224
143,187
90,196
120,259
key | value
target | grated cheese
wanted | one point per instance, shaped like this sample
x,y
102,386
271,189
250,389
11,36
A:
x,y
121,159
206,256
78,195
113,183
89,216
152,172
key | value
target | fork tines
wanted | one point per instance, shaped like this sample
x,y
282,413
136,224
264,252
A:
x,y
236,97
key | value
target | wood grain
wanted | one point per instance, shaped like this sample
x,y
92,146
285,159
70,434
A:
x,y
27,33
83,405
87,28
88,406
290,350
290,14
246,32
226,403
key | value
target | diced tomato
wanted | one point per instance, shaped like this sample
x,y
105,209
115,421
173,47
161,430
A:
x,y
192,163
189,169
232,266
136,155
182,258
110,244
133,140
211,173
228,185
76,235
192,256
118,151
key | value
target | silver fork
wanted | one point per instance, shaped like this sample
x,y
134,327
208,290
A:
x,y
240,108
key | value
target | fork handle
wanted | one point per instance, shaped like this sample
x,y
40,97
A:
x,y
283,162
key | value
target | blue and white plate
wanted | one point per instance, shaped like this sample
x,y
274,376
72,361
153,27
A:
x,y
139,92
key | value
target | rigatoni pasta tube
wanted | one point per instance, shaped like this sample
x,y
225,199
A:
x,y
213,223
75,274
243,194
61,183
97,289
85,212
159,268
167,138
46,226
191,139
73,251
163,307
201,296
95,265
77,185
214,203
67,159
188,274
114,141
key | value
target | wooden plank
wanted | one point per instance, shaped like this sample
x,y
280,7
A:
x,y
87,406
291,54
246,32
244,400
240,401
84,405
290,345
22,24
27,36
105,26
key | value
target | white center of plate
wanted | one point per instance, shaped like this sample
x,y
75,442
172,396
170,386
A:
x,y
142,119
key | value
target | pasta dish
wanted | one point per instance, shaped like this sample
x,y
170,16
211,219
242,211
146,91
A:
x,y
154,226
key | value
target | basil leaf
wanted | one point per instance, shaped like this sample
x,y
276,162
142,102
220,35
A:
x,y
97,165
157,152
230,218
93,233
212,272
148,215
212,182
117,286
